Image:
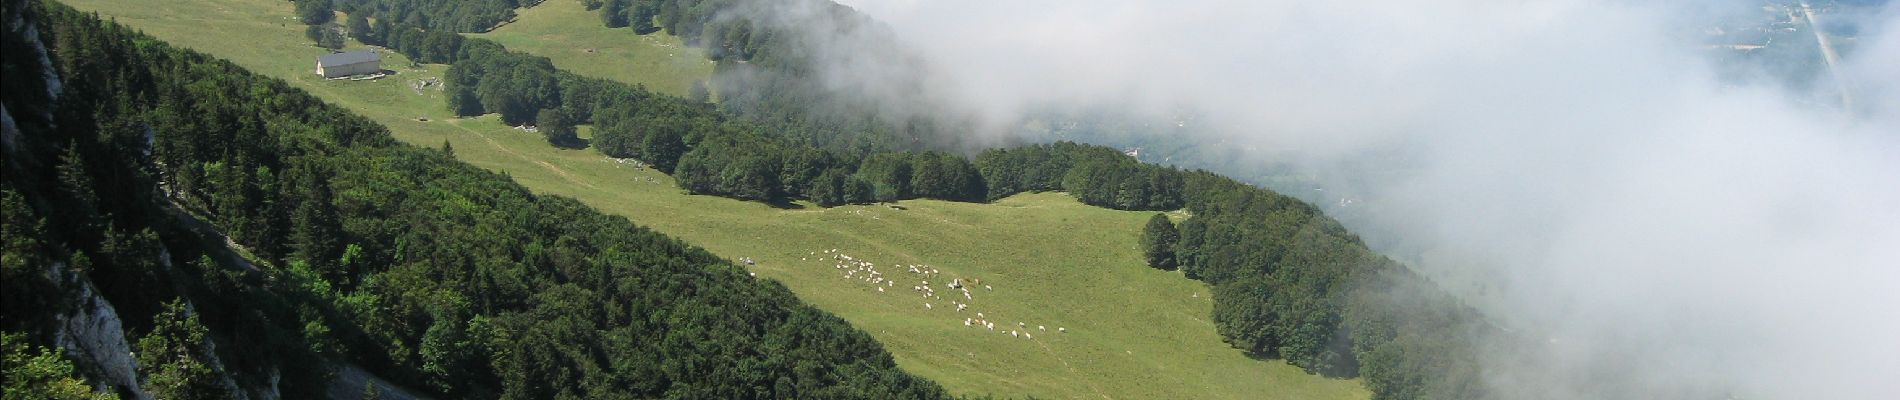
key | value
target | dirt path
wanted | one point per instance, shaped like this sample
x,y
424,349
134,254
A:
x,y
544,164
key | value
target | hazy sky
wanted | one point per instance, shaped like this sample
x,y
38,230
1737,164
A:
x,y
1645,215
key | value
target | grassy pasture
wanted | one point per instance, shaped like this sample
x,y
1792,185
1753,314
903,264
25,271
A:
x,y
1134,332
573,37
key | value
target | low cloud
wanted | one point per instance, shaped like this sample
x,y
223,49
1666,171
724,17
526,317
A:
x,y
1583,171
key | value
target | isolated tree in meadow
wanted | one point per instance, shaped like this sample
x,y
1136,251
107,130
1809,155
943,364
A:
x,y
332,38
314,33
557,126
1157,242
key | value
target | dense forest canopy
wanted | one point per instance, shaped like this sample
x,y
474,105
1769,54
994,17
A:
x,y
128,160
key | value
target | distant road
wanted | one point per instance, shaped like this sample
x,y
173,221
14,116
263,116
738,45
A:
x,y
1827,54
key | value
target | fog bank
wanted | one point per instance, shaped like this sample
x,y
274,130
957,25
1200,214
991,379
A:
x,y
1587,165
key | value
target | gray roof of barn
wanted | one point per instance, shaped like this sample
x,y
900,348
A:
x,y
347,58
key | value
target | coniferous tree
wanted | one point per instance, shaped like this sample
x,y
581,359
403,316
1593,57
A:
x,y
1157,242
315,234
77,184
172,357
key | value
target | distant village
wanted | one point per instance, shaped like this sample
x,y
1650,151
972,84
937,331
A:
x,y
1776,24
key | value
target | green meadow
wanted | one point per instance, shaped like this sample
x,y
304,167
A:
x,y
1132,331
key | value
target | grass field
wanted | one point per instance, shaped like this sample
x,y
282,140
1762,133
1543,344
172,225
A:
x,y
1133,332
565,32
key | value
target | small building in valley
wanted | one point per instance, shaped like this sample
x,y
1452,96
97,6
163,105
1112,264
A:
x,y
360,62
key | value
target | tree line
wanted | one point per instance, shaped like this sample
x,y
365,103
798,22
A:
x,y
1293,284
452,16
443,277
1289,282
767,72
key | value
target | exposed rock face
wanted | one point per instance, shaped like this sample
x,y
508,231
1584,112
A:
x,y
94,334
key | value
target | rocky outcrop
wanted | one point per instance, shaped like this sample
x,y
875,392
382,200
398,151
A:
x,y
94,334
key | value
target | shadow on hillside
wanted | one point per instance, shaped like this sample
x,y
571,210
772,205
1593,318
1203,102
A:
x,y
573,144
785,205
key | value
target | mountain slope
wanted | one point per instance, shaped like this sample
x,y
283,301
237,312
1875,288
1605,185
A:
x,y
357,248
572,36
1135,332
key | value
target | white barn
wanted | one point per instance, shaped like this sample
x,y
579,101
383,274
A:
x,y
336,65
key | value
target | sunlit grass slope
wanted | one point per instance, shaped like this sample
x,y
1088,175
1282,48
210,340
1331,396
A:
x,y
1133,332
567,33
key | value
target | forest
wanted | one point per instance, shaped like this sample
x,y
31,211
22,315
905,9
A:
x,y
245,229
765,74
352,248
770,70
1290,283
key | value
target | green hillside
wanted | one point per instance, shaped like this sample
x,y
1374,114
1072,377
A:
x,y
1133,332
572,36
